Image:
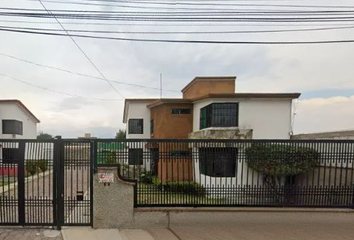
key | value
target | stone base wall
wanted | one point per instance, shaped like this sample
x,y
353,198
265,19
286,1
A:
x,y
222,133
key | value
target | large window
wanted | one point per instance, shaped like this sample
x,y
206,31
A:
x,y
12,127
135,156
181,111
218,162
10,155
219,115
136,126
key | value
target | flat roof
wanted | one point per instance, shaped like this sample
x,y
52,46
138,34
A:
x,y
19,103
169,101
208,79
248,95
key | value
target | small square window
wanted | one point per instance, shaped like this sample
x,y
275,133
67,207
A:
x,y
181,111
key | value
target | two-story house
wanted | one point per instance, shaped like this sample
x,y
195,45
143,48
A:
x,y
210,108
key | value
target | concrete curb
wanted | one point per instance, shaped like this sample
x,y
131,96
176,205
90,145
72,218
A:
x,y
244,209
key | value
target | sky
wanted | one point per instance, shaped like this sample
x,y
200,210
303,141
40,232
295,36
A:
x,y
324,74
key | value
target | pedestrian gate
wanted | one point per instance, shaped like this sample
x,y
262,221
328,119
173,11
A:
x,y
46,182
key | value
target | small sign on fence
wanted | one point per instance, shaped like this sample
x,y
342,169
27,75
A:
x,y
106,177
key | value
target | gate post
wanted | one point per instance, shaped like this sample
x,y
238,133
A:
x,y
21,183
58,174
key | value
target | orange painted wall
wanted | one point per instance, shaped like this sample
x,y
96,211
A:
x,y
168,125
202,88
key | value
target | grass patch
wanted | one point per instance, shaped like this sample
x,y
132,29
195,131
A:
x,y
153,195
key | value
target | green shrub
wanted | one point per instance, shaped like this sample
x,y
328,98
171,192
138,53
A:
x,y
191,188
43,165
276,160
32,166
112,157
146,177
131,171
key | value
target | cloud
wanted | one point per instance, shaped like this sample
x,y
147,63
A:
x,y
325,114
320,71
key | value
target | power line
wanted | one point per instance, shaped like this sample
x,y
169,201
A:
x,y
129,5
182,32
153,18
177,3
183,24
82,51
216,11
55,91
80,74
186,41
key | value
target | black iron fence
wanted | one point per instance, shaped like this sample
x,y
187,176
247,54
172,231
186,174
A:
x,y
50,182
294,173
46,182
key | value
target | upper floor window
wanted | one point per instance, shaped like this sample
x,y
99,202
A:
x,y
12,127
152,126
219,115
136,126
181,111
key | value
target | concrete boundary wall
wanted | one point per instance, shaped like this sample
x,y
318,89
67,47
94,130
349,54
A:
x,y
113,207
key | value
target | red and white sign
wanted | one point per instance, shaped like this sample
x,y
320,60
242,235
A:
x,y
106,177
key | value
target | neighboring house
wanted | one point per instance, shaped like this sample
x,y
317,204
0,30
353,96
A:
x,y
209,109
340,135
16,122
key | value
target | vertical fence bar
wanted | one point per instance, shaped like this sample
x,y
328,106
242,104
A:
x,y
21,183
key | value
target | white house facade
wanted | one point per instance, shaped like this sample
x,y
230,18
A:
x,y
17,121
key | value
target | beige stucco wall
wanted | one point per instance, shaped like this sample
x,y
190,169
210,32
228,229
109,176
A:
x,y
113,205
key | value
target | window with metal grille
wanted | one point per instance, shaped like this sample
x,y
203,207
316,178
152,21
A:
x,y
181,111
135,156
12,127
136,126
219,115
152,126
10,155
181,154
218,162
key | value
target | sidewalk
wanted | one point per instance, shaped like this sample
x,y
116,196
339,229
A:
x,y
114,234
235,226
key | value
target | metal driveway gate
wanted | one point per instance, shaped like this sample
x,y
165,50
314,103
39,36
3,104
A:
x,y
45,182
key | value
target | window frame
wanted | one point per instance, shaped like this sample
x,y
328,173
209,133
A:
x,y
152,126
211,114
213,165
181,111
135,129
10,155
17,128
132,160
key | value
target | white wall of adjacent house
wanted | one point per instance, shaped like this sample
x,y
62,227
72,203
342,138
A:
x,y
138,110
268,118
12,111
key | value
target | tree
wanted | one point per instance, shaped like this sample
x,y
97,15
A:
x,y
121,134
44,136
